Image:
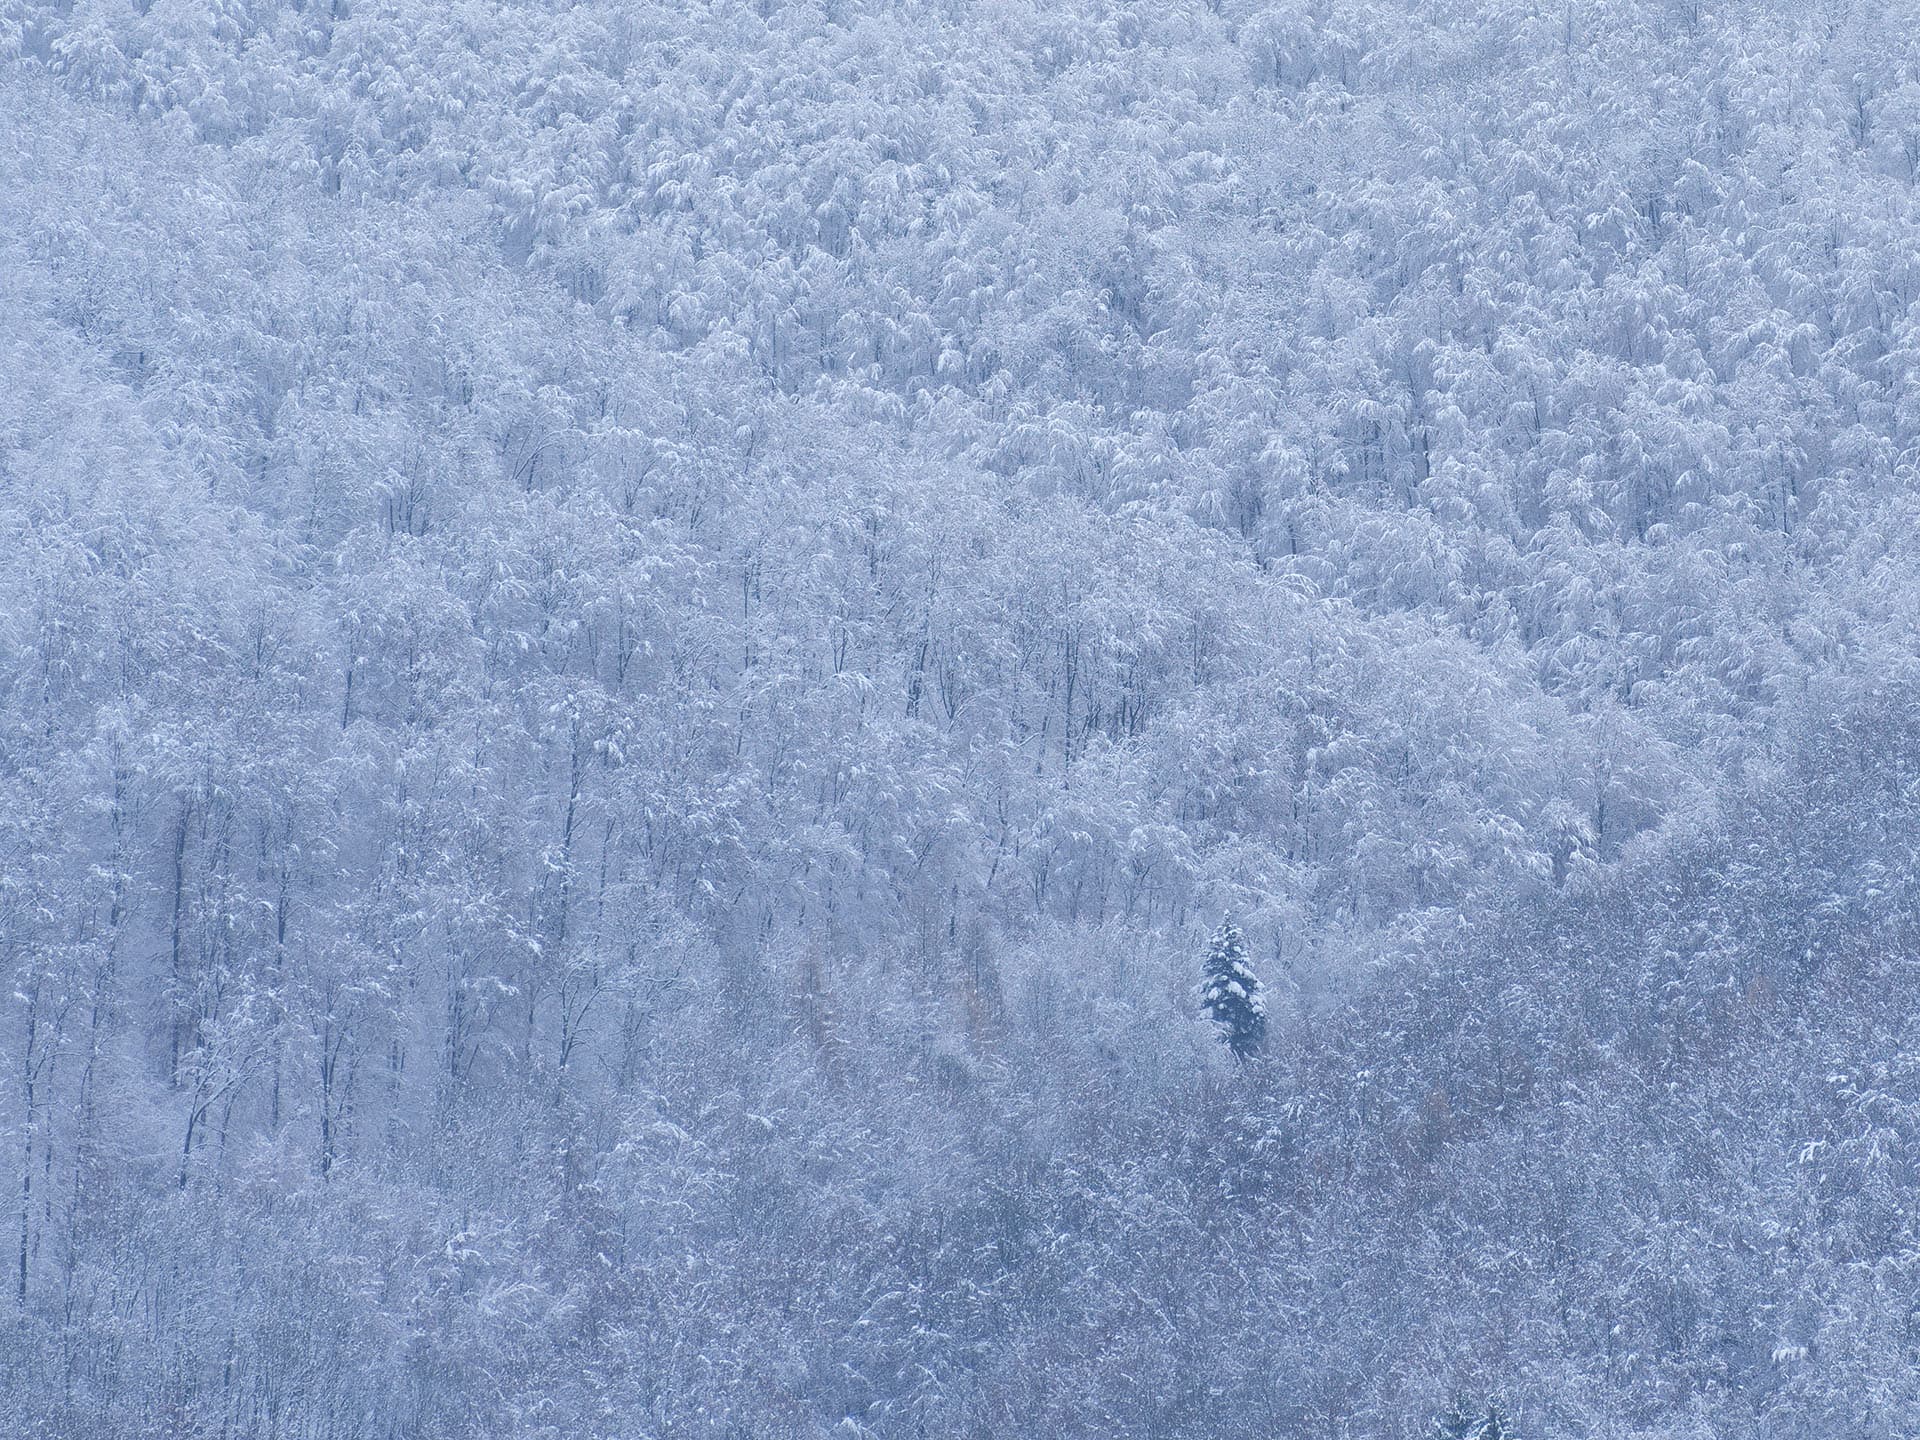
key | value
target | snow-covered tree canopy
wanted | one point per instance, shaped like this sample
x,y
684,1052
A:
x,y
638,638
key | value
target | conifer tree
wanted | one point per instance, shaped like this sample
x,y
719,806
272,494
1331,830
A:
x,y
1457,1422
1230,993
1463,1421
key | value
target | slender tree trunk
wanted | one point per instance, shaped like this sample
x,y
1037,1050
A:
x,y
175,931
29,1073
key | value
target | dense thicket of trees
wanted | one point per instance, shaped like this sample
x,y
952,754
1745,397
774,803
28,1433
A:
x,y
640,641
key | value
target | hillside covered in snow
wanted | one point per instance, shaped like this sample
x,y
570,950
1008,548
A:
x,y
642,642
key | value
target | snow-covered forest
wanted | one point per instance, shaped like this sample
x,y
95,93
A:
x,y
649,649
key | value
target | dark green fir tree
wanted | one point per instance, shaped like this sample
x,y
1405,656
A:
x,y
1230,993
1465,1421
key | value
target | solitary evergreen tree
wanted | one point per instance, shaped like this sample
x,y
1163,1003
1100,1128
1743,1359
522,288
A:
x,y
1463,1421
1230,993
1457,1422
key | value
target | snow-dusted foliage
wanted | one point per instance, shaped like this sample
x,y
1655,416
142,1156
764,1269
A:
x,y
638,637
